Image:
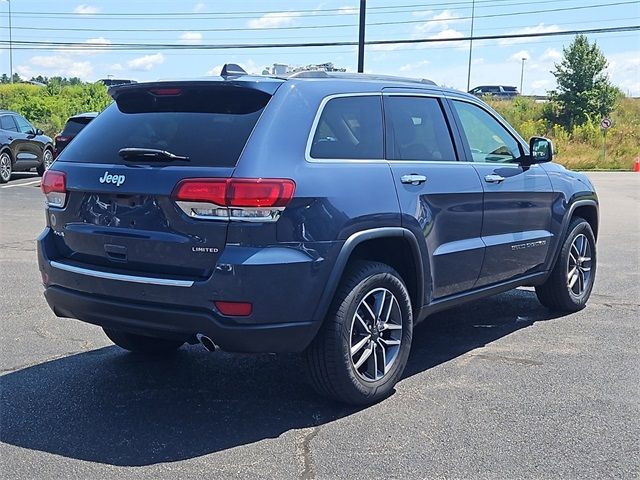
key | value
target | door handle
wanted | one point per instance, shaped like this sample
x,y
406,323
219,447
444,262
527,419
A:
x,y
493,178
413,179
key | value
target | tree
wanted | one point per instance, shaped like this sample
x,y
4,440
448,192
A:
x,y
584,90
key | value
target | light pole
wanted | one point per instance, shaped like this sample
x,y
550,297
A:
x,y
522,75
473,14
363,10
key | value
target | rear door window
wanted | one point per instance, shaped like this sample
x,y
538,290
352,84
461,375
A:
x,y
417,129
209,125
350,128
7,123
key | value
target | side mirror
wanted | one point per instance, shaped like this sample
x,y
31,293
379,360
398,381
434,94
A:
x,y
39,132
540,150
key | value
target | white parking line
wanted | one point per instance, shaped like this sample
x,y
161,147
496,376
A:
x,y
25,184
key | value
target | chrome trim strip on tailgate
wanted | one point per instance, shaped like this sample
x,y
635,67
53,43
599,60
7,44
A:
x,y
123,278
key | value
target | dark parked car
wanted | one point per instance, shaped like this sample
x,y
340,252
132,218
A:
x,y
73,127
22,146
498,91
323,213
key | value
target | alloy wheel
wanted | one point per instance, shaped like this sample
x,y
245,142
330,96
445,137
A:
x,y
376,334
47,159
5,167
579,265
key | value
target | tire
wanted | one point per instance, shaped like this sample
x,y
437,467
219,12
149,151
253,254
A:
x,y
565,292
141,343
47,160
332,369
6,167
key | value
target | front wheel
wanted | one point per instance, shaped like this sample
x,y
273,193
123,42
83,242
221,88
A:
x,y
141,343
47,160
570,283
362,347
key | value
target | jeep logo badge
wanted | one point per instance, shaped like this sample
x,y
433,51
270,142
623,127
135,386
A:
x,y
117,180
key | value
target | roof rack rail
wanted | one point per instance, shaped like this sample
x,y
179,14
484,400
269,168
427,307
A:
x,y
355,76
232,70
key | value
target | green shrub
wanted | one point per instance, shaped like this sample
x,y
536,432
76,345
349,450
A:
x,y
49,107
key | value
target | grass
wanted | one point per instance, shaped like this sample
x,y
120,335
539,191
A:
x,y
581,148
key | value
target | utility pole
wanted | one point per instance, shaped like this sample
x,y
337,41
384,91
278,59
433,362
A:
x,y
473,14
363,9
522,76
10,44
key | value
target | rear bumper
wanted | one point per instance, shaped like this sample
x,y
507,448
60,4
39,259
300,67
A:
x,y
166,321
283,283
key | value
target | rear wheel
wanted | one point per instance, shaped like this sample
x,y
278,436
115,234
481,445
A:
x,y
6,167
141,343
569,286
362,347
47,160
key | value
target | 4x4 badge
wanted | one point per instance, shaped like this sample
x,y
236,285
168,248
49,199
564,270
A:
x,y
117,180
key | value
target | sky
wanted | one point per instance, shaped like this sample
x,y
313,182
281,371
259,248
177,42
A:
x,y
194,22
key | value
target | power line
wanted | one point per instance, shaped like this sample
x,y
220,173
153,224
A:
x,y
306,27
150,46
282,14
347,36
340,11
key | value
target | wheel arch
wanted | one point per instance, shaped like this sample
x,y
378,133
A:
x,y
584,208
377,244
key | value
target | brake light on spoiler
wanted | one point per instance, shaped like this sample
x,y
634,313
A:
x,y
243,199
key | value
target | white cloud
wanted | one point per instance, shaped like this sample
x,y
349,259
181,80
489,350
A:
x,y
87,50
413,67
191,38
540,28
199,7
146,62
270,20
248,66
56,65
551,54
518,56
542,85
86,9
448,33
624,71
348,10
384,47
439,21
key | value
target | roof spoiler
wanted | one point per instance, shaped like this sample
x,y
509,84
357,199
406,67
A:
x,y
232,70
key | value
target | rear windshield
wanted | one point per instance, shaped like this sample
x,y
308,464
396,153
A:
x,y
208,125
510,89
74,125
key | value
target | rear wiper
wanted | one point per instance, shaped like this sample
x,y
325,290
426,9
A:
x,y
150,154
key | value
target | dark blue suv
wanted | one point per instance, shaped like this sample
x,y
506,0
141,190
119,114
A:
x,y
320,213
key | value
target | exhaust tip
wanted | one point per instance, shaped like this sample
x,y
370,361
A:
x,y
207,342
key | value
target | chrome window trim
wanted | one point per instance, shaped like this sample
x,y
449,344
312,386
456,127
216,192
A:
x,y
121,277
314,126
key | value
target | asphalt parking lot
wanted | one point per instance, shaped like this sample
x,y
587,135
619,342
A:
x,y
501,388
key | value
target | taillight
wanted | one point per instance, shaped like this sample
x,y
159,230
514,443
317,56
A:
x,y
54,187
60,138
249,199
